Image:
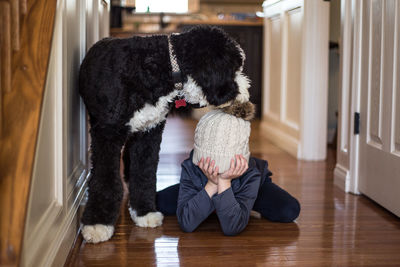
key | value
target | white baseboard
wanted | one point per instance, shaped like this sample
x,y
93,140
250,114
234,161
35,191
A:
x,y
281,139
68,233
51,243
341,177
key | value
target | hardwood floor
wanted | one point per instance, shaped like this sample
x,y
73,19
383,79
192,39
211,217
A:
x,y
334,228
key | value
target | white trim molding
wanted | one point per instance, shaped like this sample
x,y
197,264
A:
x,y
341,179
349,95
281,138
296,50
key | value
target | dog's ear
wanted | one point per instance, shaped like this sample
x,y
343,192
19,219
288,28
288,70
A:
x,y
212,59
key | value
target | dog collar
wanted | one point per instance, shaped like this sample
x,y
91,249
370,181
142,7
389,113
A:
x,y
176,72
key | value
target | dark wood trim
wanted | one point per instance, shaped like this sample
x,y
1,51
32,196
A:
x,y
21,113
5,47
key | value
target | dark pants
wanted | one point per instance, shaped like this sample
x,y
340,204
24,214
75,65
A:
x,y
273,203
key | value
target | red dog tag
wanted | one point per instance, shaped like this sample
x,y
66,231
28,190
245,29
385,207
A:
x,y
180,103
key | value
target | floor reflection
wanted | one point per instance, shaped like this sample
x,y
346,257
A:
x,y
261,242
166,250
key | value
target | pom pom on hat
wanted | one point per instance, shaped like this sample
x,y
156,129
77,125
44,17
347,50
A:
x,y
244,110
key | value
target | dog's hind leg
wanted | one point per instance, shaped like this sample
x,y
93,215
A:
x,y
142,161
105,186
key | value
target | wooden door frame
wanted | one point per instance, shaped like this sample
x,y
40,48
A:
x,y
346,173
21,107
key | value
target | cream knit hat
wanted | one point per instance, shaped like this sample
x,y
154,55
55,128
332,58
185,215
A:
x,y
223,133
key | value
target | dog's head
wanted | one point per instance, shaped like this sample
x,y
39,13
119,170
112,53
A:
x,y
212,64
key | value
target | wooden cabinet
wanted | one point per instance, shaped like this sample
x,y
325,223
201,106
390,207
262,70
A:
x,y
250,39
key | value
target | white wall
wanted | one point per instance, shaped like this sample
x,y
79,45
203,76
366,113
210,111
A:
x,y
61,161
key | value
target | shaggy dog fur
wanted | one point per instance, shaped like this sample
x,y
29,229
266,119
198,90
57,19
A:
x,y
128,88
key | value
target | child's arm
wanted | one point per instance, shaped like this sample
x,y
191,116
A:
x,y
194,205
234,210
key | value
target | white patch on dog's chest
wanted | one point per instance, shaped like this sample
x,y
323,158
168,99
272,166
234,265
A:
x,y
151,115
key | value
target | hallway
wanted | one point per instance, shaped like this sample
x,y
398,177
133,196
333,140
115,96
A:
x,y
333,229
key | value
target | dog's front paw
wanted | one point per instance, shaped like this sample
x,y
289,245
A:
x,y
97,233
151,219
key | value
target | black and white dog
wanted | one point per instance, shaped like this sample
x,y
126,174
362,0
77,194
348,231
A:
x,y
129,86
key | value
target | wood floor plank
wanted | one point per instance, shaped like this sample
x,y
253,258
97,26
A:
x,y
334,228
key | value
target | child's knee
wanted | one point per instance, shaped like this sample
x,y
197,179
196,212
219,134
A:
x,y
290,211
285,211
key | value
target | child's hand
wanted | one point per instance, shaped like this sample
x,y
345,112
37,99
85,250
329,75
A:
x,y
208,169
235,171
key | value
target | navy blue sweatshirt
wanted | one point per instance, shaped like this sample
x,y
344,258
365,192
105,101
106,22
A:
x,y
232,206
